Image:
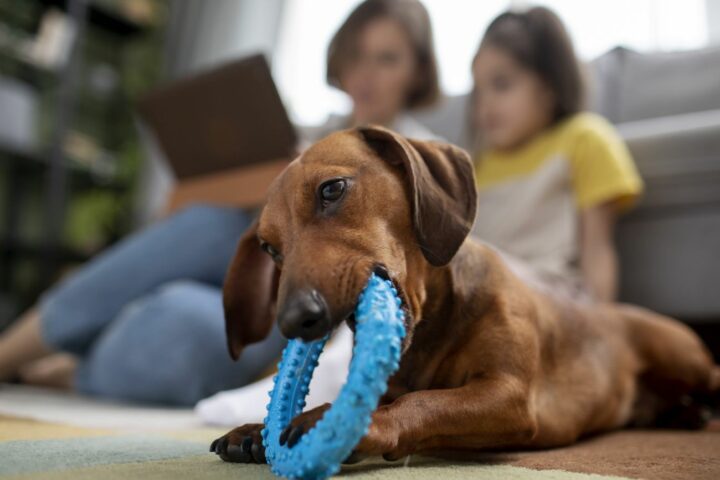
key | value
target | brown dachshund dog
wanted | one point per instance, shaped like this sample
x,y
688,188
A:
x,y
491,360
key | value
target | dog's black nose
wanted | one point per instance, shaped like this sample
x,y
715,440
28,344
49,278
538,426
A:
x,y
304,315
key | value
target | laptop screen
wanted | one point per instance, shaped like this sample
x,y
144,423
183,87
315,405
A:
x,y
225,118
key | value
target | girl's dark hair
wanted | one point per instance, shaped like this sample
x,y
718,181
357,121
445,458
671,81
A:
x,y
414,19
538,41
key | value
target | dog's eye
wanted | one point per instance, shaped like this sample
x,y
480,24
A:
x,y
332,190
270,250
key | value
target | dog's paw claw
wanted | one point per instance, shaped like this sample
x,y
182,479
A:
x,y
221,445
354,457
242,445
284,434
258,453
236,454
291,435
246,444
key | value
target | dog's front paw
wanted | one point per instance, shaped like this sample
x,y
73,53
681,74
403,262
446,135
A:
x,y
301,424
241,445
383,438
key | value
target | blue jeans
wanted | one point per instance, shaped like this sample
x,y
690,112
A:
x,y
146,317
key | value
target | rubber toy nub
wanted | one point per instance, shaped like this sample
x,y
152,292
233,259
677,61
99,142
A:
x,y
376,355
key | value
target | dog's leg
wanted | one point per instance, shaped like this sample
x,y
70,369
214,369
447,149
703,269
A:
x,y
489,412
679,372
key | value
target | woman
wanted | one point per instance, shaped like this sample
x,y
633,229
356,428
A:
x,y
382,57
144,320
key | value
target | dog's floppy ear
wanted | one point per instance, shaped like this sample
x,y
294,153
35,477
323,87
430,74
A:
x,y
441,187
249,294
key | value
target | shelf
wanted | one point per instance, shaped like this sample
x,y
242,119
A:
x,y
23,248
28,264
84,178
106,18
25,70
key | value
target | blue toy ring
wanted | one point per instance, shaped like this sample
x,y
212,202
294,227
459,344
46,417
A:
x,y
376,355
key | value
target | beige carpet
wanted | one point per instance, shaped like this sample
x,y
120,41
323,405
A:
x,y
39,450
657,454
55,450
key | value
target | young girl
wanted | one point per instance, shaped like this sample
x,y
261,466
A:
x,y
551,178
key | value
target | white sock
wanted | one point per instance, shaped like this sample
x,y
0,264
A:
x,y
248,404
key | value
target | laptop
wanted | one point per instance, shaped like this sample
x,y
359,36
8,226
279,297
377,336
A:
x,y
226,118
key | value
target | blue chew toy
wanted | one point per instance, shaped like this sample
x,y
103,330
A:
x,y
376,355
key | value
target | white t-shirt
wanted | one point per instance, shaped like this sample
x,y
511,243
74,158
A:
x,y
403,124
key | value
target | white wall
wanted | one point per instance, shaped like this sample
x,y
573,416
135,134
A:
x,y
202,33
713,21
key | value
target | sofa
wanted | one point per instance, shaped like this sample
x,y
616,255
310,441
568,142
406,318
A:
x,y
667,108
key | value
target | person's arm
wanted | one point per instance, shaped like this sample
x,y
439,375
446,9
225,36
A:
x,y
598,257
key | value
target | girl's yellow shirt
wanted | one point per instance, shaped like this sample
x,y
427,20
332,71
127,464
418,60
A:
x,y
530,198
601,167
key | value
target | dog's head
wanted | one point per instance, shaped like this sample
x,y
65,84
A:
x,y
359,201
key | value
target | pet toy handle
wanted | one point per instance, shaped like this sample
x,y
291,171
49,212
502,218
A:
x,y
376,355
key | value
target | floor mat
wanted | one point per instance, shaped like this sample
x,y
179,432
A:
x,y
72,409
46,451
176,447
31,449
647,454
